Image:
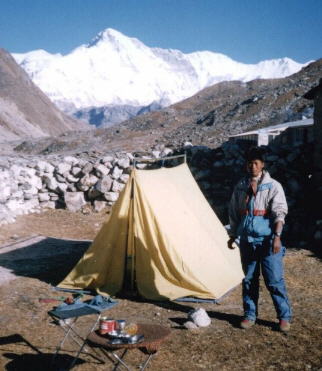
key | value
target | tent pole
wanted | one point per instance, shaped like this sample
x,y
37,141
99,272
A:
x,y
133,231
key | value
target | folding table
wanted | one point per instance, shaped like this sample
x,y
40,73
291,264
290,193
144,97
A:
x,y
67,320
154,336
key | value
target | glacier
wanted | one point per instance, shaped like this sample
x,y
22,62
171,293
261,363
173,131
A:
x,y
116,70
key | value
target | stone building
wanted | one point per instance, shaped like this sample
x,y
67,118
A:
x,y
315,94
295,132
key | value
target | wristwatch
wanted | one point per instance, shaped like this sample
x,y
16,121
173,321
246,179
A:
x,y
278,234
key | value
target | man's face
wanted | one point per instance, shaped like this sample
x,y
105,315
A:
x,y
255,167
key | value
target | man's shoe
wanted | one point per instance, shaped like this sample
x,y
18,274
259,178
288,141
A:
x,y
246,323
284,325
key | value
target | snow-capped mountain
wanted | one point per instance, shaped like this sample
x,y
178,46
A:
x,y
115,70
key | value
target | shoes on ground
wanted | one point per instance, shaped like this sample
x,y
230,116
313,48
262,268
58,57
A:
x,y
246,323
284,325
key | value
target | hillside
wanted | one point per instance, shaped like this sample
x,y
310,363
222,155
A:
x,y
207,118
25,111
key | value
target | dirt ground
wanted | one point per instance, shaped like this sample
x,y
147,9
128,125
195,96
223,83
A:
x,y
38,250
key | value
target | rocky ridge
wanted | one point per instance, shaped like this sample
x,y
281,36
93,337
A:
x,y
25,111
207,118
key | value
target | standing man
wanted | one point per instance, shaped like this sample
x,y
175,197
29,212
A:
x,y
257,211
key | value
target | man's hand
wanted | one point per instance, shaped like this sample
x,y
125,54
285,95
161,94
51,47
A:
x,y
230,242
276,245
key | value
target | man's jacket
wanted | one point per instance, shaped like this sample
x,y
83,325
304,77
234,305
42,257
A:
x,y
253,216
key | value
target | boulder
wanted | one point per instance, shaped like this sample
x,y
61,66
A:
x,y
76,171
107,159
43,197
111,196
86,182
199,317
117,186
101,170
117,172
62,187
124,178
93,193
63,168
74,200
71,178
71,160
48,205
5,192
104,185
99,205
123,163
87,168
50,182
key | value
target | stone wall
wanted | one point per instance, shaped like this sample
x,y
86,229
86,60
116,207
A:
x,y
91,183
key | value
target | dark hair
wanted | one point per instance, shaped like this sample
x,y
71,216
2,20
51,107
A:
x,y
254,153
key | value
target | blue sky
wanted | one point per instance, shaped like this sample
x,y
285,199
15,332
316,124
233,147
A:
x,y
245,30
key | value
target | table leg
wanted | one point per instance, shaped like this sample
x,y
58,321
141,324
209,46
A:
x,y
84,343
120,361
67,330
144,365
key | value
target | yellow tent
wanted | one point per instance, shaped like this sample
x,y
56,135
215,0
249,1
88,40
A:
x,y
162,235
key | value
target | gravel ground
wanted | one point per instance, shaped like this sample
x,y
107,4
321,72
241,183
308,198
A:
x,y
38,250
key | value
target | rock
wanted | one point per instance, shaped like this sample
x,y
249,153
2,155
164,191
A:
x,y
34,181
187,145
117,186
117,172
74,200
99,205
5,192
86,182
104,185
62,187
101,170
63,168
53,196
293,185
166,152
123,163
107,159
76,171
60,178
156,154
15,206
50,182
141,166
48,205
93,193
71,160
71,178
318,235
199,317
43,197
111,196
124,178
87,168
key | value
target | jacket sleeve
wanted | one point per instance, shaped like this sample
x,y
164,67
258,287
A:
x,y
234,215
279,207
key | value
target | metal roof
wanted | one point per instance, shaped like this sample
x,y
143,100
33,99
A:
x,y
277,128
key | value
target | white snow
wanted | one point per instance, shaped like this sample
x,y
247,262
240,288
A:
x,y
114,69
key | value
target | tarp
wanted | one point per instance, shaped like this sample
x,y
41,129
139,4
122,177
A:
x,y
164,236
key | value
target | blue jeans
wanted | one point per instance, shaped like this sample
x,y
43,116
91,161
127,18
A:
x,y
256,257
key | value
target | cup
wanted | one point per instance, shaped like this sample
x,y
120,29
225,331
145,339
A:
x,y
120,324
